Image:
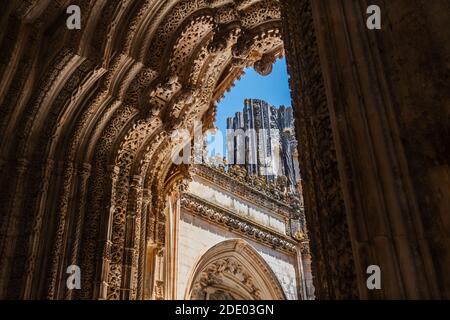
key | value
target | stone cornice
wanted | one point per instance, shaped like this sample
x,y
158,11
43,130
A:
x,y
238,224
243,190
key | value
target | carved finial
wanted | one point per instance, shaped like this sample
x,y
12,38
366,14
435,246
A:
x,y
265,65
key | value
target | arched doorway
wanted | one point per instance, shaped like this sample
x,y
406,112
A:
x,y
162,67
86,117
233,270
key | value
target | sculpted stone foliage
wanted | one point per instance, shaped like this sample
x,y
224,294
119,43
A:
x,y
218,215
91,113
313,125
212,277
113,113
233,270
86,118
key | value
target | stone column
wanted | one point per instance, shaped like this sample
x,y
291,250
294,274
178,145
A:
x,y
173,216
140,294
307,272
333,266
105,243
36,234
386,98
9,221
132,235
84,174
159,275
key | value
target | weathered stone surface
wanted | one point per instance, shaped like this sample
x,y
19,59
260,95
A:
x,y
86,116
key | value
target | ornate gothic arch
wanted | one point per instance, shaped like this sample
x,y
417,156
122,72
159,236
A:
x,y
233,270
86,119
104,117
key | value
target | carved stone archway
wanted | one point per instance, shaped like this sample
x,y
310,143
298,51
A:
x,y
86,118
233,270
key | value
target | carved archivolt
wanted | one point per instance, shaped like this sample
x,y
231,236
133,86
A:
x,y
107,98
233,270
181,94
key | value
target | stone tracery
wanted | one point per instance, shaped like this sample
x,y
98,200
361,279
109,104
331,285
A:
x,y
87,116
129,118
233,270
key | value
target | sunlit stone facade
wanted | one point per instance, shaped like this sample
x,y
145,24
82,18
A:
x,y
221,204
86,119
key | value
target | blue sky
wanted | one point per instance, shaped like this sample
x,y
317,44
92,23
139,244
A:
x,y
273,88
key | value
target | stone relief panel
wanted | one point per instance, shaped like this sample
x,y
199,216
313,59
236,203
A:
x,y
108,100
235,270
197,236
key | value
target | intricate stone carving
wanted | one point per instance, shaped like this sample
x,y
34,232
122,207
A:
x,y
264,65
236,223
106,107
159,290
112,93
230,265
324,204
213,275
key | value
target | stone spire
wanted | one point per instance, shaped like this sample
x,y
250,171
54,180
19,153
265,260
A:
x,y
262,138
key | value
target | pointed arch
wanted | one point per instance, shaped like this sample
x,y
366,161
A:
x,y
233,270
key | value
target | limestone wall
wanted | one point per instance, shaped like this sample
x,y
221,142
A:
x,y
238,206
196,236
